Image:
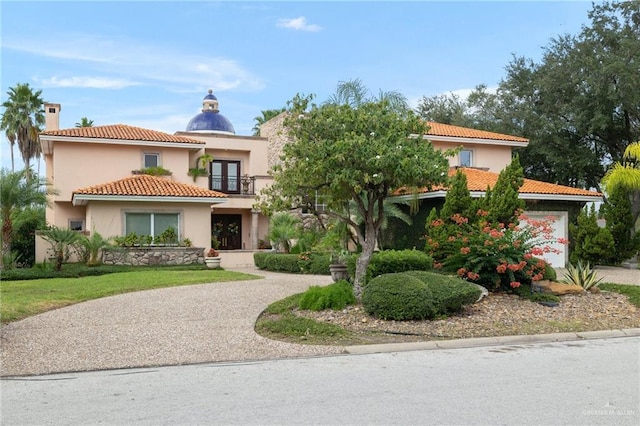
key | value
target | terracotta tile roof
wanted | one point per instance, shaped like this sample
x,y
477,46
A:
x,y
148,186
121,132
438,129
478,180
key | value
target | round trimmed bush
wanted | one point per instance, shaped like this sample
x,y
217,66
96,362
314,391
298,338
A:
x,y
398,297
450,293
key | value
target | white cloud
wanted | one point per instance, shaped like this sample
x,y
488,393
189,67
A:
x,y
134,61
298,24
85,82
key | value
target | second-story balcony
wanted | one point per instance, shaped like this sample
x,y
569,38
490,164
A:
x,y
233,185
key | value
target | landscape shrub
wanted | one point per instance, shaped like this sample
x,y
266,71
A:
x,y
281,262
315,263
497,256
393,261
590,242
335,296
450,294
260,258
303,263
398,297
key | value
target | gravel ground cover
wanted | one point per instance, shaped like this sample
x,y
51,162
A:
x,y
495,315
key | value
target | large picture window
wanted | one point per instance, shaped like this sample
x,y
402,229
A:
x,y
152,224
225,176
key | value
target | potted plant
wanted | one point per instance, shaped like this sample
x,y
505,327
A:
x,y
338,266
212,258
201,166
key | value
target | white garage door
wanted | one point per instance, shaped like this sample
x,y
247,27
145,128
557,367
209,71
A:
x,y
560,230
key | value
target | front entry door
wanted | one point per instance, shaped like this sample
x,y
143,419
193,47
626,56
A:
x,y
227,228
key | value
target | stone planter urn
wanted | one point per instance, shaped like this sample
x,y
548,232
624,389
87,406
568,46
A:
x,y
338,272
212,259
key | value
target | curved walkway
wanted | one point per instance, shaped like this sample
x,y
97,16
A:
x,y
185,325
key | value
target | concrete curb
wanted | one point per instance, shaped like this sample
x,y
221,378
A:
x,y
490,341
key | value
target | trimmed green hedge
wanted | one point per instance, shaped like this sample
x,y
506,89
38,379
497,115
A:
x,y
450,293
393,261
312,263
398,297
383,262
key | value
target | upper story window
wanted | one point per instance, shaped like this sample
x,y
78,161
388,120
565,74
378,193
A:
x,y
151,159
466,158
225,176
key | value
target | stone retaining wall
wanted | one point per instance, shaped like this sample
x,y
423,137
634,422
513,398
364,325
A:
x,y
150,256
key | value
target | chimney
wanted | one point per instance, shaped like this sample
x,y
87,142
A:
x,y
52,116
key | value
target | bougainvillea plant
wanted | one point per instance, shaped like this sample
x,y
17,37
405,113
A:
x,y
497,256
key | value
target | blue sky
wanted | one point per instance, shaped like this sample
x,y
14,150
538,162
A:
x,y
150,63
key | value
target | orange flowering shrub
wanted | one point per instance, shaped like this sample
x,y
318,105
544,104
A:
x,y
494,255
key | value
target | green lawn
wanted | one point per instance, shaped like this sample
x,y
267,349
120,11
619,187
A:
x,y
20,299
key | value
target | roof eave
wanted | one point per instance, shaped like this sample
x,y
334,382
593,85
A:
x,y
479,141
50,139
523,196
83,199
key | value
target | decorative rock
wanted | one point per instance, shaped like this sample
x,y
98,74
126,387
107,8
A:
x,y
556,288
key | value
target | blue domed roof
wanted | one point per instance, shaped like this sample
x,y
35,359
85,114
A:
x,y
210,120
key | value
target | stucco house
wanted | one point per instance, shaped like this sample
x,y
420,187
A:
x,y
97,172
482,156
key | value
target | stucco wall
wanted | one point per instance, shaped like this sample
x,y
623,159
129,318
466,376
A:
x,y
494,157
78,165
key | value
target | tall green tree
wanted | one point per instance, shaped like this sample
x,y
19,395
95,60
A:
x,y
502,202
579,106
18,191
265,116
84,122
358,151
23,117
625,175
619,219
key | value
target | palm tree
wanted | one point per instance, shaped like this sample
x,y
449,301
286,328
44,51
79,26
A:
x,y
19,190
283,227
23,117
60,239
626,175
84,122
267,115
354,93
10,128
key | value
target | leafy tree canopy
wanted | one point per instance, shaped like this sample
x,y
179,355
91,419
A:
x,y
579,106
360,152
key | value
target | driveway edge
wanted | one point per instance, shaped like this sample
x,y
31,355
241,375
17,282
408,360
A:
x,y
491,341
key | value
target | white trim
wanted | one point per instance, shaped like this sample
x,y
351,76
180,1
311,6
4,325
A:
x,y
83,199
524,196
76,139
480,141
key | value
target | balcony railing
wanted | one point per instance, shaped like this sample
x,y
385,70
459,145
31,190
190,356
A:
x,y
244,185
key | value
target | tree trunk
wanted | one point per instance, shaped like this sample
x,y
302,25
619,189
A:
x,y
7,230
368,245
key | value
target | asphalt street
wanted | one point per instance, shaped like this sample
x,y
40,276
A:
x,y
555,383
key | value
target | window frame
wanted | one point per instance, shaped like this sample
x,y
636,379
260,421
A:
x,y
471,157
69,224
152,221
150,154
224,176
